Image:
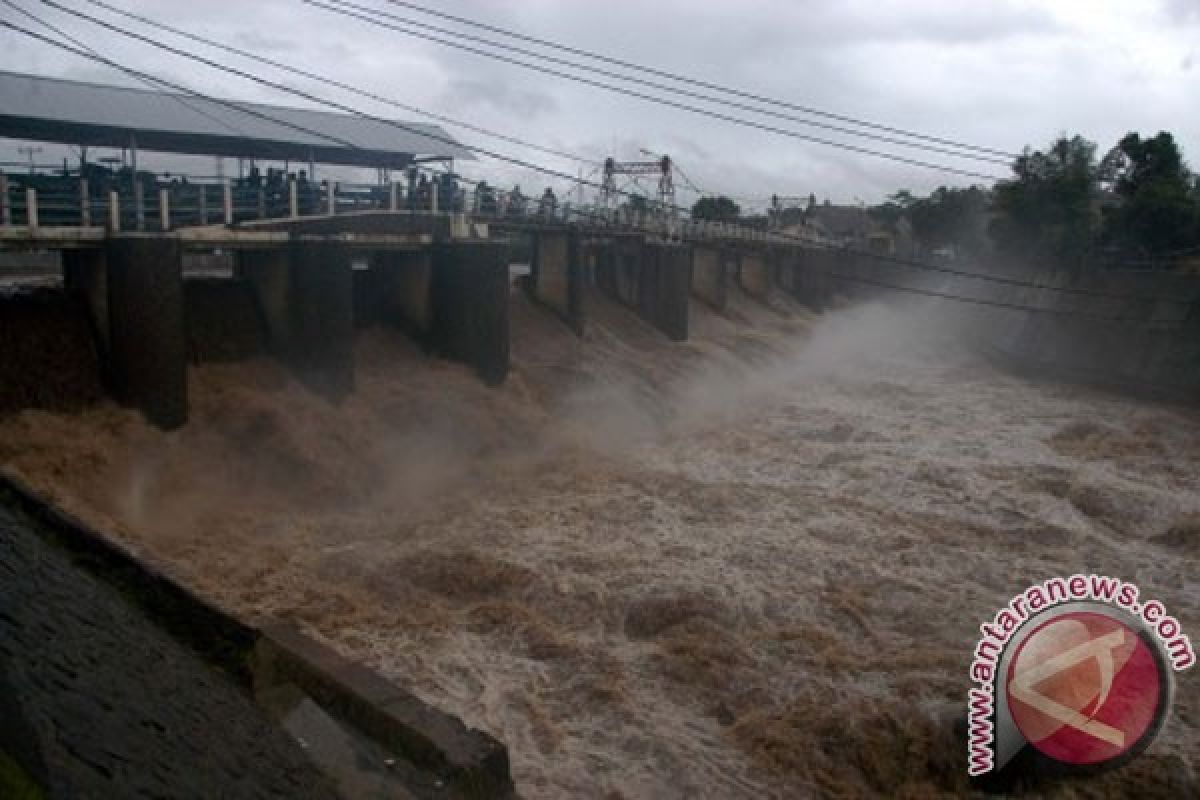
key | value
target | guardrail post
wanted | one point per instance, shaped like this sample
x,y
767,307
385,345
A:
x,y
227,200
330,198
293,200
393,197
85,206
31,208
433,198
114,211
5,207
164,209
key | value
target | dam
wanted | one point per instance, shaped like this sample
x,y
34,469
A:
x,y
681,510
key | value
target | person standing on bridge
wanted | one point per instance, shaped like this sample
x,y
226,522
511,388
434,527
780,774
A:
x,y
548,205
516,203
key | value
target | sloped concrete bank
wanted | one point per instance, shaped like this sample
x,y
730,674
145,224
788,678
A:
x,y
151,687
1136,332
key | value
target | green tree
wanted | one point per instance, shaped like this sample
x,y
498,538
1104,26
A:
x,y
889,213
1159,209
955,217
717,209
1048,211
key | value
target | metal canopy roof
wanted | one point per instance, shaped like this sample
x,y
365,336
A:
x,y
74,112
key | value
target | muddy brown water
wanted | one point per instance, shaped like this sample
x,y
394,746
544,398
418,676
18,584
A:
x,y
751,565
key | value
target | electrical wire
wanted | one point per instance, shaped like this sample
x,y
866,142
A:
x,y
708,98
338,84
695,82
914,162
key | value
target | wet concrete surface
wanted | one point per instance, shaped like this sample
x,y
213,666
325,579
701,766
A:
x,y
97,702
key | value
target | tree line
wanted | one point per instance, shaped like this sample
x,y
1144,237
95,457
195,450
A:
x,y
1063,207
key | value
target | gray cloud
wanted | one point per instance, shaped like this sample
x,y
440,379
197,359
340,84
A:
x,y
1182,10
1003,74
495,95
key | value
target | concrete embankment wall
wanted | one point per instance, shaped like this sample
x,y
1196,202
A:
x,y
1134,331
264,664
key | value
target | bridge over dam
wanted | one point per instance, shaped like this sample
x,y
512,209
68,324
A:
x,y
298,287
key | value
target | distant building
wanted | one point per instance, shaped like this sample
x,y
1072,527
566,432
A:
x,y
853,226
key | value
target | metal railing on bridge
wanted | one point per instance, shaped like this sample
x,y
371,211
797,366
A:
x,y
154,205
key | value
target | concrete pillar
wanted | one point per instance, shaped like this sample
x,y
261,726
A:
x,y
557,278
470,306
85,205
139,202
114,212
822,267
5,205
666,280
293,199
202,203
652,278
321,318
617,262
164,209
31,209
754,275
227,201
710,276
86,272
626,260
147,362
779,267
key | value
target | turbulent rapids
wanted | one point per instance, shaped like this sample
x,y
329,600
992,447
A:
x,y
750,565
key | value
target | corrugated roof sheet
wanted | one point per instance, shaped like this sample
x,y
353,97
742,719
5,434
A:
x,y
74,112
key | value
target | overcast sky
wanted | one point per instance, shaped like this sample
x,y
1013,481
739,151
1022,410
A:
x,y
1002,74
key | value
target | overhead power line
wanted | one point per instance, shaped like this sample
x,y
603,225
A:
x,y
149,22
309,96
653,84
338,84
530,165
980,301
665,101
696,82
